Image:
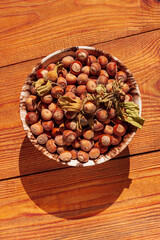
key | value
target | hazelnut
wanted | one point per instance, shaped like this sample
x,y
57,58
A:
x,y
61,81
46,114
65,156
59,140
83,156
71,88
70,94
102,80
84,121
31,117
121,76
96,135
102,61
86,70
57,90
125,88
71,78
70,114
108,130
51,146
111,68
89,107
76,67
101,115
76,143
80,90
86,145
81,55
67,61
91,59
119,130
58,114
88,134
82,78
42,139
111,113
51,67
71,124
69,136
94,153
95,68
42,73
41,106
37,129
52,107
47,98
48,125
105,140
31,104
97,126
91,86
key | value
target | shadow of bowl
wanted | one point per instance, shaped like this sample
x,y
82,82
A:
x,y
72,192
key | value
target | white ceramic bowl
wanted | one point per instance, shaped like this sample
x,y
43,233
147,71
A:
x,y
53,58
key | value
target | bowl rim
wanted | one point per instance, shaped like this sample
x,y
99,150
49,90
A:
x,y
26,92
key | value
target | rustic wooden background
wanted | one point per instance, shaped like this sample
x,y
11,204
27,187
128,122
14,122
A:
x,y
41,199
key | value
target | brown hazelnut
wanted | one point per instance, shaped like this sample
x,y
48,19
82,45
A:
x,y
95,68
91,59
37,129
81,55
61,81
86,145
65,156
57,90
67,61
105,140
89,107
31,117
111,68
94,153
83,156
71,78
46,114
48,125
42,139
47,98
82,78
51,146
76,67
102,61
69,136
91,86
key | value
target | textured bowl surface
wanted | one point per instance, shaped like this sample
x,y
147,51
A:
x,y
53,58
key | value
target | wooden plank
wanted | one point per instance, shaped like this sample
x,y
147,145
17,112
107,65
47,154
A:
x,y
31,29
119,199
139,53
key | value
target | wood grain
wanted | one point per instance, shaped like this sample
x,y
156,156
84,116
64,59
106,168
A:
x,y
141,56
31,29
118,200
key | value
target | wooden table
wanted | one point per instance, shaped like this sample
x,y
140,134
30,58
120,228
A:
x,y
41,199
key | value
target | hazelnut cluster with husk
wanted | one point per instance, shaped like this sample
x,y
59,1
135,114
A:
x,y
81,107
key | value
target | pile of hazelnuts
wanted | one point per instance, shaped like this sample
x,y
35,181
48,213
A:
x,y
56,129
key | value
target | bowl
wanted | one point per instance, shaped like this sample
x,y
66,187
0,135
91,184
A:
x,y
55,57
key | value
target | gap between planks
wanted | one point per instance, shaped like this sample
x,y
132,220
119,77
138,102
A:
x,y
136,34
59,169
